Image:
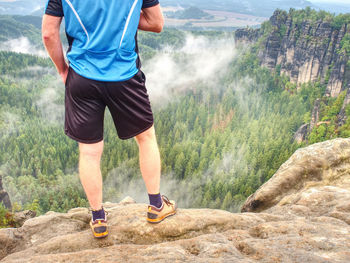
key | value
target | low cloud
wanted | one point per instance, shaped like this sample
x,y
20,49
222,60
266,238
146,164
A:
x,y
50,108
126,180
22,45
200,60
9,123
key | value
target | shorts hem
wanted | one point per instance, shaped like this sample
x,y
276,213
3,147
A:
x,y
83,141
137,133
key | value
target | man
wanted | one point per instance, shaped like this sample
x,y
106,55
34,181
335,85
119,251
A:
x,y
104,70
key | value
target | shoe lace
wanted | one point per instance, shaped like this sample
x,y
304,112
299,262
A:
x,y
106,212
166,200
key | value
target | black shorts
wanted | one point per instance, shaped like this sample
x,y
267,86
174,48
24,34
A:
x,y
86,100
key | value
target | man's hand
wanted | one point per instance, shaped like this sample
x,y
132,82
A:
x,y
152,19
53,45
64,75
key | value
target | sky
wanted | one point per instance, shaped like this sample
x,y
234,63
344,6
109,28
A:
x,y
331,1
313,1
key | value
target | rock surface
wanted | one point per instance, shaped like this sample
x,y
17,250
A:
x,y
304,217
302,133
20,217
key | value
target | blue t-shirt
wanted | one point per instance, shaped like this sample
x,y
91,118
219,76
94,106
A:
x,y
101,36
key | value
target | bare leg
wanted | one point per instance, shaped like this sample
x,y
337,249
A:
x,y
149,160
90,172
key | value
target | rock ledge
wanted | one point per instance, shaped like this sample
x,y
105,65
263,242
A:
x,y
305,218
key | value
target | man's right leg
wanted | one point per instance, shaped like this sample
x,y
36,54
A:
x,y
90,172
160,206
84,115
91,179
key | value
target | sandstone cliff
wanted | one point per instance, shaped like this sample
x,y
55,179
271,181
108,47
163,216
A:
x,y
342,115
303,50
306,49
304,216
4,196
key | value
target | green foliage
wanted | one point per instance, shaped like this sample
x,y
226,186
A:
x,y
282,30
299,16
344,131
330,108
309,92
328,74
29,20
11,27
12,63
340,20
189,13
6,217
345,47
218,144
171,38
34,206
266,28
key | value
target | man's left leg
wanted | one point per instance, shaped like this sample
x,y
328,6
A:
x,y
149,160
160,206
91,179
130,108
90,172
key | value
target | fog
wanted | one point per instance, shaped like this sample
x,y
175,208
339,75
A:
x,y
9,123
22,45
127,181
51,109
200,60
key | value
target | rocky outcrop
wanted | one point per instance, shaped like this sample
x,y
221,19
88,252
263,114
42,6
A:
x,y
4,196
304,216
342,115
301,133
308,169
305,51
315,115
20,217
304,130
247,35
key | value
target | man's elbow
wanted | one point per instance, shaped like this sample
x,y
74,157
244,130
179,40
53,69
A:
x,y
48,35
50,28
158,29
49,32
159,26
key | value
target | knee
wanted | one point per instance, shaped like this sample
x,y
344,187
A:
x,y
146,136
91,150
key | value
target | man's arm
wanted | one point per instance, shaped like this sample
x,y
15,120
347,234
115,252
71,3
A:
x,y
152,19
53,44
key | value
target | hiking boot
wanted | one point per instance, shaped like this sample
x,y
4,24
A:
x,y
156,215
99,227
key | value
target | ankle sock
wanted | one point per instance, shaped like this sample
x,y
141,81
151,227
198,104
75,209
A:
x,y
98,214
155,200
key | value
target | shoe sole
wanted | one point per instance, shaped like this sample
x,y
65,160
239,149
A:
x,y
98,235
158,220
